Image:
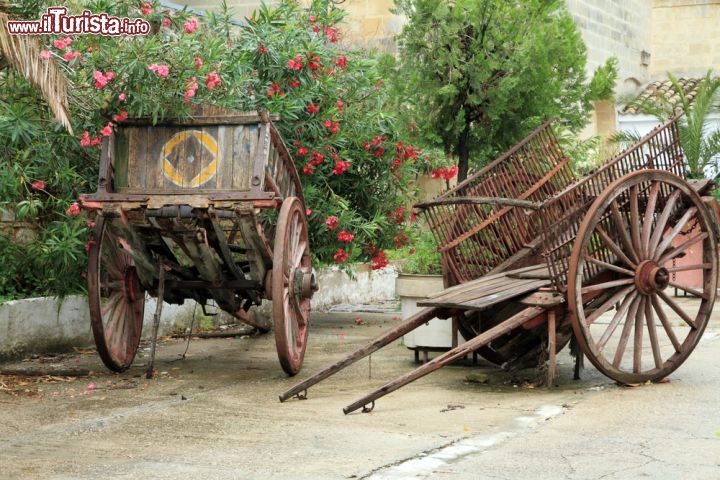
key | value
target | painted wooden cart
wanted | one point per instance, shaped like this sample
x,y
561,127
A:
x,y
535,258
208,209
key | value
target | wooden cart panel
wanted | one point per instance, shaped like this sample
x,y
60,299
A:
x,y
171,158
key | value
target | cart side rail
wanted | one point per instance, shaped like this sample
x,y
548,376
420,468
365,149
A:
x,y
560,216
477,237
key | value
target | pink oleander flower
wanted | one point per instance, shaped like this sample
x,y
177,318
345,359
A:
x,y
120,117
73,210
191,25
38,185
198,62
161,70
340,256
212,80
166,22
332,222
107,130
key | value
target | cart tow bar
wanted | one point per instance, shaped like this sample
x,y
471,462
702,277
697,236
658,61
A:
x,y
156,319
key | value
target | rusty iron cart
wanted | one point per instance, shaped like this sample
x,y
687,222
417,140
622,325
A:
x,y
208,208
535,258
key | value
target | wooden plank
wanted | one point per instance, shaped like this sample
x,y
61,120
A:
x,y
483,301
119,148
136,166
226,147
245,143
495,286
473,283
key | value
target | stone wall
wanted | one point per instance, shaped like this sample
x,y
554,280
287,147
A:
x,y
685,38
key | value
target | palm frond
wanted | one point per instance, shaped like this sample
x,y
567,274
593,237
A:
x,y
22,53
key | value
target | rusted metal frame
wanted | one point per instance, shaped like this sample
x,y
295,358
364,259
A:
x,y
448,357
374,345
481,201
498,161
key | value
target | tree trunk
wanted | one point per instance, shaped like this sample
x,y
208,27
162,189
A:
x,y
463,150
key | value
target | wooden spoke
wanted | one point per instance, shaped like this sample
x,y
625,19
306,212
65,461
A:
x,y
681,313
666,324
606,285
663,219
647,224
619,315
609,266
681,248
624,246
635,221
690,290
625,335
614,247
652,333
608,304
674,233
622,229
684,268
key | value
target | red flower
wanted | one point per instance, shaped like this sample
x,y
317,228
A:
x,y
341,62
308,169
312,109
166,22
316,158
333,34
198,62
341,167
191,25
122,116
302,151
73,210
146,8
38,185
212,80
379,261
261,49
399,215
308,212
331,222
344,236
340,105
313,62
295,63
294,83
121,97
340,256
275,90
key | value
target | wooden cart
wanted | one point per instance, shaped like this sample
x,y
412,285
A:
x,y
535,258
208,208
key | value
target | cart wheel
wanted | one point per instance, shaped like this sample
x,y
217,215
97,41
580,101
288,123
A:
x,y
620,270
115,299
293,284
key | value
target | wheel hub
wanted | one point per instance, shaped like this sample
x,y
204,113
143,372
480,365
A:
x,y
651,277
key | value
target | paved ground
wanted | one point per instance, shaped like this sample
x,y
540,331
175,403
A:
x,y
214,414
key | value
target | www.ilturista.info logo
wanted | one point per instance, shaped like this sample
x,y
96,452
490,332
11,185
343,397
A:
x,y
56,20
